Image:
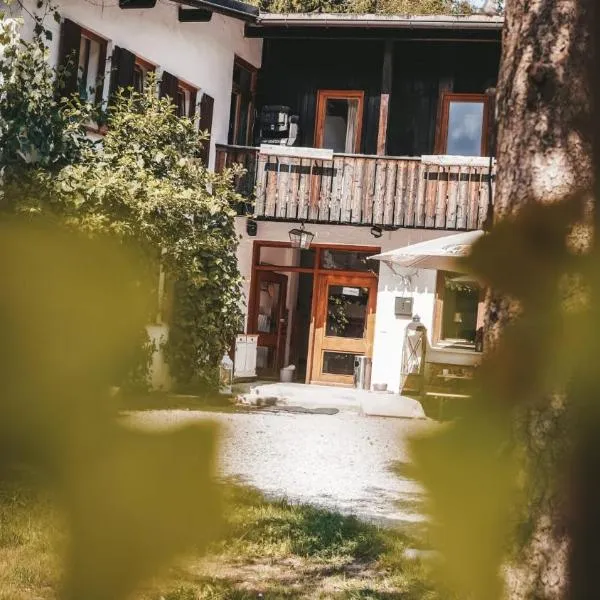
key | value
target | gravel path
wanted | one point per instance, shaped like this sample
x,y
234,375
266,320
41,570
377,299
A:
x,y
337,461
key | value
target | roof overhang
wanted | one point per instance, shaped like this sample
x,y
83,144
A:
x,y
376,26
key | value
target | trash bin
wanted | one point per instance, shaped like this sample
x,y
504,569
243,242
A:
x,y
362,372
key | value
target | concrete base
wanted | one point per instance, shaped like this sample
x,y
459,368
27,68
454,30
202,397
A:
x,y
381,404
392,405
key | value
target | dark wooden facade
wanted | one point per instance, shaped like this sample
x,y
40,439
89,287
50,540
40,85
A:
x,y
294,70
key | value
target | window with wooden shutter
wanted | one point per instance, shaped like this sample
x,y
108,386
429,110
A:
x,y
70,41
92,64
206,118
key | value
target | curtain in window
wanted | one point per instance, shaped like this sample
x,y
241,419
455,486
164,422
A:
x,y
351,126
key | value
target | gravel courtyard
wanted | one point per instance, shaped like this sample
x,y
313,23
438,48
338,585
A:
x,y
340,461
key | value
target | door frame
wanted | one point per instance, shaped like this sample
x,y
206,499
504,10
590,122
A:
x,y
278,338
315,270
359,346
322,97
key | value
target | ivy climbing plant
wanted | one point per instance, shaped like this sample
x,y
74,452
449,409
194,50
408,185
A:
x,y
143,183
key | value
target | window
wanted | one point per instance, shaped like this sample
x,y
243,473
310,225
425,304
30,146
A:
x,y
339,120
462,129
186,100
241,119
459,311
141,68
92,60
82,53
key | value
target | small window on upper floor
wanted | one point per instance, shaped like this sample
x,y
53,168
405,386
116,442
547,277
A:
x,y
462,130
241,119
186,100
92,62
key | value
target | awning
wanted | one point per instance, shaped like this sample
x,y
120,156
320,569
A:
x,y
440,253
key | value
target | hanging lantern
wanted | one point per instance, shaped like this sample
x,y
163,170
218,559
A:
x,y
300,238
226,375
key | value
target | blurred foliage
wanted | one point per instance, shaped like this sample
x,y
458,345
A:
x,y
71,308
144,184
400,7
488,473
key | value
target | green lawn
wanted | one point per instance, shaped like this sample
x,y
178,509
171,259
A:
x,y
275,549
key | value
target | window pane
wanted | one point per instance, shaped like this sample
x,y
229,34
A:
x,y
346,311
286,257
338,363
268,307
461,302
465,128
138,79
341,123
348,261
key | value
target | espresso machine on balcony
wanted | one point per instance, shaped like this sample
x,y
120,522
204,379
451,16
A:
x,y
277,126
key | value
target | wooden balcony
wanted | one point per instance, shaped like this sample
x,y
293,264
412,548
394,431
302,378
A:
x,y
438,192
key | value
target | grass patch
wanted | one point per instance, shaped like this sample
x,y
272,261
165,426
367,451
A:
x,y
271,550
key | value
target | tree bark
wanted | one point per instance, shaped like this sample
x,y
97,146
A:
x,y
544,153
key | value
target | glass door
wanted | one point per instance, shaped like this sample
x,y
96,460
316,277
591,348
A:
x,y
269,321
344,321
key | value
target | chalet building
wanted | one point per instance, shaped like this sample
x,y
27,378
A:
x,y
366,133
372,133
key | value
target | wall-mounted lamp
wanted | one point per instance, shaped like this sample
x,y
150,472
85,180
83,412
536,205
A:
x,y
251,227
300,238
376,231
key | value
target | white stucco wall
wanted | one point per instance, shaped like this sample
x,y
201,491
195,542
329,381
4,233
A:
x,y
389,329
201,54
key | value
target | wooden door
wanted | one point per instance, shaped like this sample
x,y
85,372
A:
x,y
344,326
269,321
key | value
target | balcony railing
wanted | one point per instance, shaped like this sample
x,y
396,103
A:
x,y
442,192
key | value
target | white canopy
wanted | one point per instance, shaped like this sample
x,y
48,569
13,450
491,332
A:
x,y
440,253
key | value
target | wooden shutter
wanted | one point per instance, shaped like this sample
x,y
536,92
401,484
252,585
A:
x,y
169,85
193,100
206,117
122,65
70,42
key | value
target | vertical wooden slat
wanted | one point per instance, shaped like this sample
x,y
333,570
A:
x,y
314,190
462,201
473,198
400,199
294,180
412,194
451,207
358,179
484,194
343,182
368,192
441,203
380,182
303,189
422,190
261,180
272,167
431,195
393,167
328,211
283,179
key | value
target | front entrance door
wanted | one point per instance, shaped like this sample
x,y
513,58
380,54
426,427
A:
x,y
269,320
344,326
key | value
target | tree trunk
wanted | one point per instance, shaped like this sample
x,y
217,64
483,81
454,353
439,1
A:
x,y
544,153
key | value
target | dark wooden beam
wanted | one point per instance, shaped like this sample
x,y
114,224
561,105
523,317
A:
x,y
137,3
386,93
194,15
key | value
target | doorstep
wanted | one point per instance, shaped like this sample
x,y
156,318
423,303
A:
x,y
382,404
